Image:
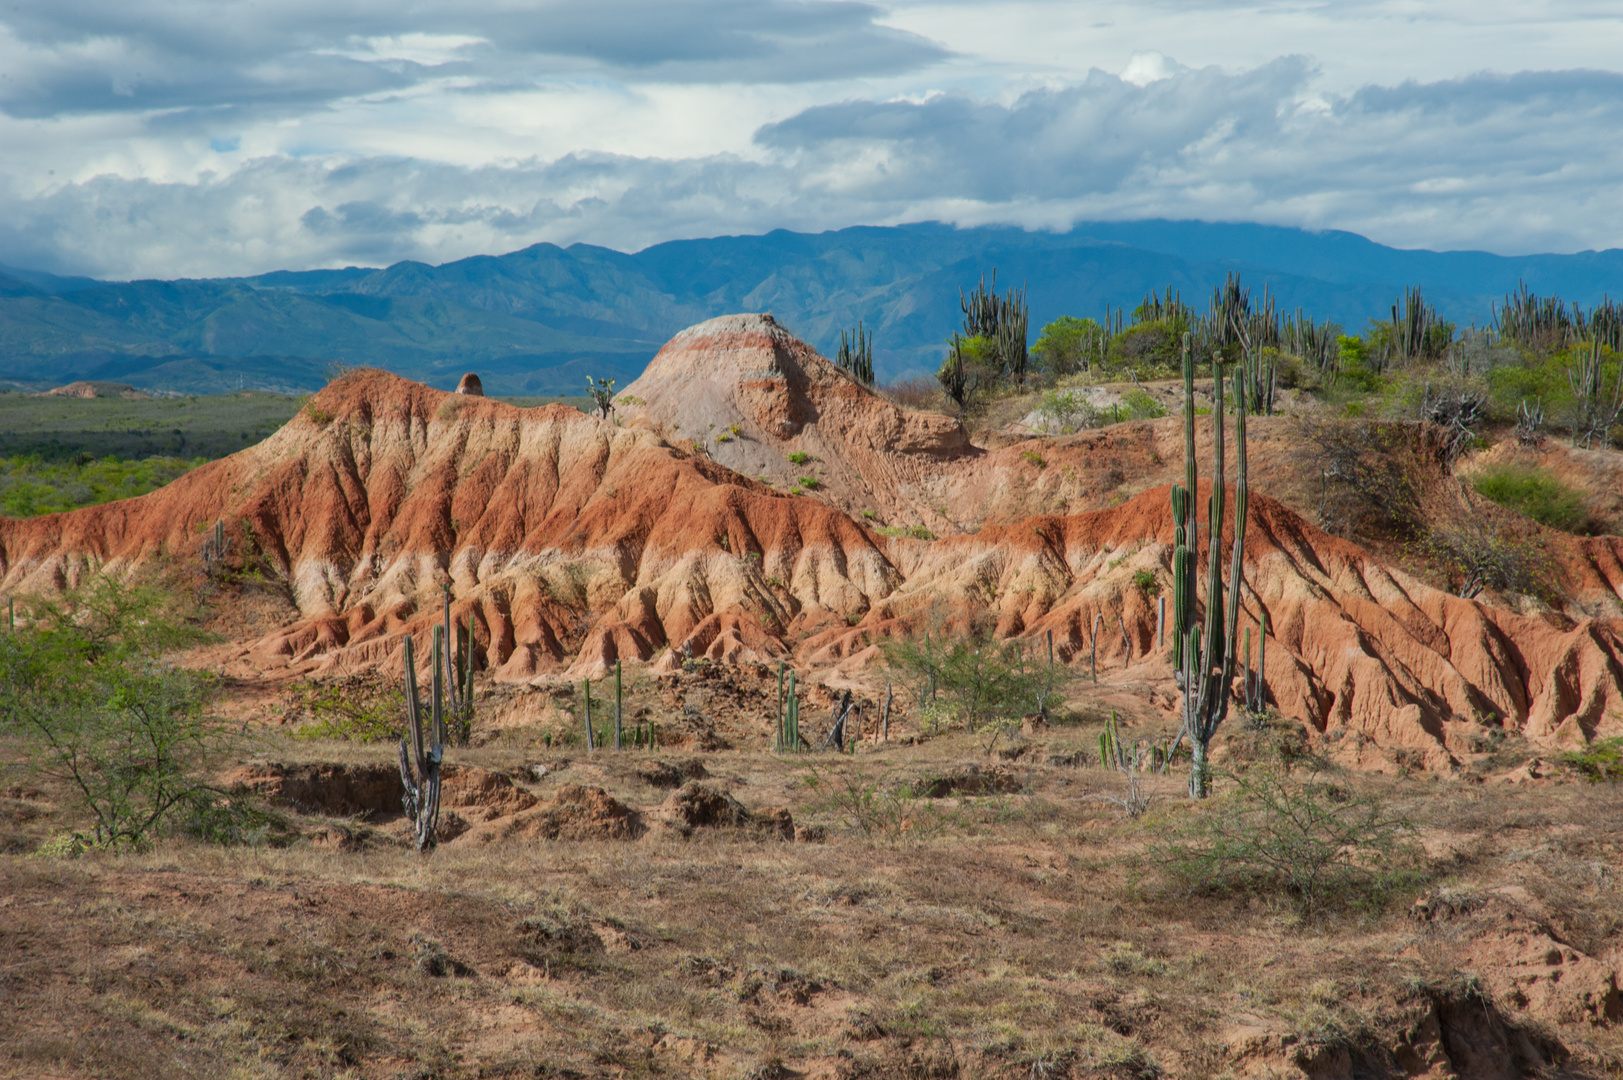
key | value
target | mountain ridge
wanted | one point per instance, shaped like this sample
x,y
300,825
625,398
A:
x,y
543,318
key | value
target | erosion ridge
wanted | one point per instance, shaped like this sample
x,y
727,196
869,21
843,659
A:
x,y
575,541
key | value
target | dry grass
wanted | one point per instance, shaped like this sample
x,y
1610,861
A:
x,y
1031,936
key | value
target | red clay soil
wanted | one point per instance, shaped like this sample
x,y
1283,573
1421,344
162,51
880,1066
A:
x,y
575,541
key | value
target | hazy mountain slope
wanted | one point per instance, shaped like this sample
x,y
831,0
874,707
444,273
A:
x,y
541,319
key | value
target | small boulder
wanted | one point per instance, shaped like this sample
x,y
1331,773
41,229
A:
x,y
471,386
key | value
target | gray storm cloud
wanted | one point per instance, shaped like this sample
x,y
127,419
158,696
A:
x,y
91,56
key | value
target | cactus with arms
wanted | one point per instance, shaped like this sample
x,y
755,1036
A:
x,y
1203,659
421,752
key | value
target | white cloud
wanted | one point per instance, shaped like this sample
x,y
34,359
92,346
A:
x,y
169,137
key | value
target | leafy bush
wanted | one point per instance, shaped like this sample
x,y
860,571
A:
x,y
878,808
1535,493
360,708
1600,760
1317,843
1069,344
1141,405
1147,582
84,688
1479,555
810,483
1145,345
1067,410
799,457
987,685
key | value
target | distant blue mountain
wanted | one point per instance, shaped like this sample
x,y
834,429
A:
x,y
543,319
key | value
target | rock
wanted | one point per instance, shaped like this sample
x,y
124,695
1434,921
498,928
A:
x,y
471,386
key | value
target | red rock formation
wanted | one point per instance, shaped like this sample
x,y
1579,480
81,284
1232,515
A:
x,y
574,542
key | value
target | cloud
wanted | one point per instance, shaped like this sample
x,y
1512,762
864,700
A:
x,y
91,56
1528,162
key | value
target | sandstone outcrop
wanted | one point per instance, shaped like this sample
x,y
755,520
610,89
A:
x,y
575,541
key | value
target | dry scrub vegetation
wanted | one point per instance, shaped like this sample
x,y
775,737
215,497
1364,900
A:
x,y
958,917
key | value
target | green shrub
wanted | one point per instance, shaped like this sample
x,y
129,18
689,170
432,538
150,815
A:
x,y
1314,842
357,709
1535,493
987,685
799,457
1067,410
1141,405
1147,345
1147,582
905,532
85,691
1600,760
878,808
810,483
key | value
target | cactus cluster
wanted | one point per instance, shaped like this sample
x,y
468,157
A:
x,y
1254,685
788,714
458,677
423,748
615,735
214,549
856,353
1203,659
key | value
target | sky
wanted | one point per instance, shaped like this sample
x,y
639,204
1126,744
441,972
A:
x,y
193,138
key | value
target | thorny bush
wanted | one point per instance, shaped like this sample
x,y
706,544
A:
x,y
1313,841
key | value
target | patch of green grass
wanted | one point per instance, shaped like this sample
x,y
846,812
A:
x,y
30,486
810,483
1535,493
800,457
63,429
905,532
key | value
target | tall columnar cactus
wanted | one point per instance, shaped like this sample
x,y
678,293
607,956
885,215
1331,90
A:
x,y
458,677
421,751
856,353
789,733
619,708
1204,659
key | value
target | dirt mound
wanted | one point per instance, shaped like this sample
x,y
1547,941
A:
x,y
700,806
971,780
574,813
83,389
662,774
375,791
337,790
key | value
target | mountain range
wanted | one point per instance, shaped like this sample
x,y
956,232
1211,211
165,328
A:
x,y
541,320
